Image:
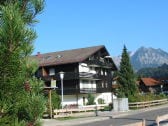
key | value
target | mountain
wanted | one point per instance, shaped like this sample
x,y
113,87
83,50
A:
x,y
117,60
145,57
148,57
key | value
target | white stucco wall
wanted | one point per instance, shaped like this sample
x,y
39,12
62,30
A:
x,y
72,99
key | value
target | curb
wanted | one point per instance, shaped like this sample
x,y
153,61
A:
x,y
74,122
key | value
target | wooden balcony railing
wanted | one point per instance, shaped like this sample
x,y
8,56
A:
x,y
88,90
68,91
98,63
89,75
72,91
71,76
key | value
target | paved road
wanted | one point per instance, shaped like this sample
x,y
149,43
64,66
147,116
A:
x,y
113,118
150,117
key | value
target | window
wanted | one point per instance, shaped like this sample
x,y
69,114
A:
x,y
47,57
101,59
101,71
102,84
106,84
58,56
51,71
91,58
105,72
85,81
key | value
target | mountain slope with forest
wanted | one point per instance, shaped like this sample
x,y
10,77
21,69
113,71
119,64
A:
x,y
159,72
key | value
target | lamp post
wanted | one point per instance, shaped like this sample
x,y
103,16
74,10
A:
x,y
161,86
62,88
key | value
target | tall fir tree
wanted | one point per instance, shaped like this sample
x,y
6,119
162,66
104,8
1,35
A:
x,y
126,80
20,98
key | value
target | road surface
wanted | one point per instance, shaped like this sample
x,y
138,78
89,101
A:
x,y
150,117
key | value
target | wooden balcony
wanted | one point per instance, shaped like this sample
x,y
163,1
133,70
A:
x,y
68,91
97,63
88,75
67,76
72,76
88,90
73,91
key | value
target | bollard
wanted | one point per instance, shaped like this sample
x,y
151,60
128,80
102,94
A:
x,y
96,111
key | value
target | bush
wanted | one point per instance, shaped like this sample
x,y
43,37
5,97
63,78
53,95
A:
x,y
107,108
56,101
90,99
146,97
110,106
32,110
100,101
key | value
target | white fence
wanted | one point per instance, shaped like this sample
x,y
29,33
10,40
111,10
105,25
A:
x,y
90,108
69,112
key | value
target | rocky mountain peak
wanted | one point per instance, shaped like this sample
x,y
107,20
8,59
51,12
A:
x,y
146,57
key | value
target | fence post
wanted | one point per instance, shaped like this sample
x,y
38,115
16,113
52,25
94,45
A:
x,y
157,120
143,122
96,112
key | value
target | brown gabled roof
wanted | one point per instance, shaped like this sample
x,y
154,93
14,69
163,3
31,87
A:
x,y
150,81
67,56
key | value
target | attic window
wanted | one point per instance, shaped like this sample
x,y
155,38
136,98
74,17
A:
x,y
58,56
47,57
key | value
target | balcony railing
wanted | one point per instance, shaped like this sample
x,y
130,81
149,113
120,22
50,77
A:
x,y
88,90
89,75
98,63
73,91
67,76
101,90
71,76
68,91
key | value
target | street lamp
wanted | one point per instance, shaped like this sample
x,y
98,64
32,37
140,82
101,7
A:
x,y
161,86
62,88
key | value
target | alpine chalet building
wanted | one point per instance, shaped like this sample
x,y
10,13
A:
x,y
86,70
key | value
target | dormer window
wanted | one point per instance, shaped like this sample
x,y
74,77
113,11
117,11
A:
x,y
91,58
58,56
51,71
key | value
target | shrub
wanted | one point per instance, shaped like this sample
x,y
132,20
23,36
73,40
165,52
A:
x,y
100,101
56,101
32,110
90,99
146,97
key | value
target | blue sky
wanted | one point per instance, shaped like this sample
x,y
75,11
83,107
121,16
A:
x,y
70,24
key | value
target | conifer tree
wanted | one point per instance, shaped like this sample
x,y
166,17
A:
x,y
20,98
126,80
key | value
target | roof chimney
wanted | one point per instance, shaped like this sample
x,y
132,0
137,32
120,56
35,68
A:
x,y
38,54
